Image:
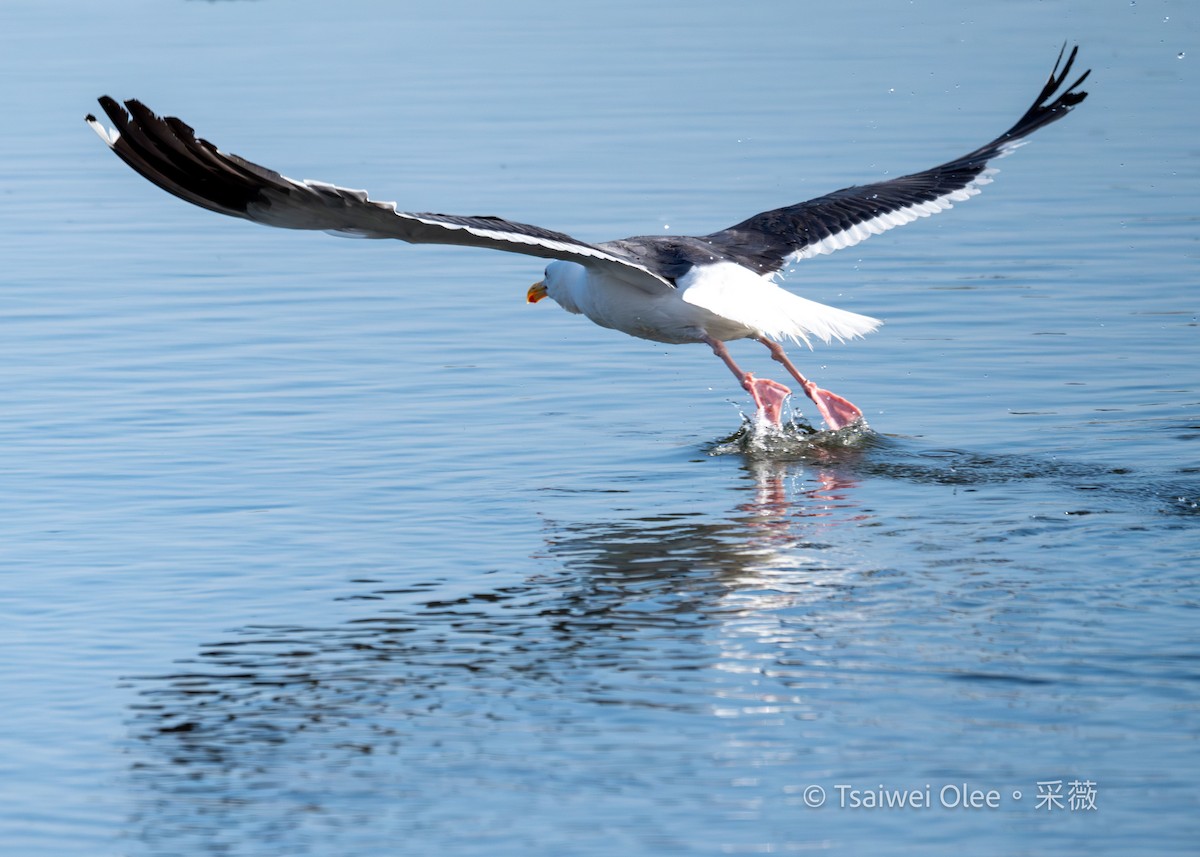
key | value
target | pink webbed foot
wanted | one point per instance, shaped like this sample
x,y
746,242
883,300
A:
x,y
769,397
836,411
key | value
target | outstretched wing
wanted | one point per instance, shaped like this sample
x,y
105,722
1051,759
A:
x,y
166,151
768,241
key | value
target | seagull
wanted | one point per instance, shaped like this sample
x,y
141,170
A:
x,y
707,289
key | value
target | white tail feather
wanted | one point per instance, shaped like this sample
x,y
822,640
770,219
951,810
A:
x,y
738,294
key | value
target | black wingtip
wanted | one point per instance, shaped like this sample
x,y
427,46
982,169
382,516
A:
x,y
1049,107
111,107
1069,97
105,102
165,151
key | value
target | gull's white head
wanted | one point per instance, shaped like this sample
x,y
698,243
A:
x,y
562,282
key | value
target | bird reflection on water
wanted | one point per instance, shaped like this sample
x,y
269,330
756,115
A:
x,y
626,626
641,666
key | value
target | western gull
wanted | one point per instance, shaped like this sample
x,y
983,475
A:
x,y
674,289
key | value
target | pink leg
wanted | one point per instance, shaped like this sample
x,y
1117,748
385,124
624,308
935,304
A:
x,y
836,411
768,395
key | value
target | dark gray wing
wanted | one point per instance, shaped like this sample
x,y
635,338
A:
x,y
166,151
768,241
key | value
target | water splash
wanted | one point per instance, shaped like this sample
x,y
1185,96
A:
x,y
860,452
794,440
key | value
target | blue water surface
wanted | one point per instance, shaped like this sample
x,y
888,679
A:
x,y
313,546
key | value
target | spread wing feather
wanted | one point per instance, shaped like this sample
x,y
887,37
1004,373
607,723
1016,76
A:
x,y
167,151
768,241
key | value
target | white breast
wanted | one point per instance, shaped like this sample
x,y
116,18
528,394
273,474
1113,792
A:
x,y
662,316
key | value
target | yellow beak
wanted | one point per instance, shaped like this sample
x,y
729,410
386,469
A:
x,y
536,292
